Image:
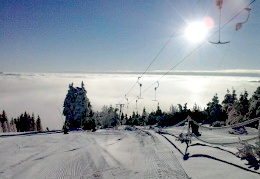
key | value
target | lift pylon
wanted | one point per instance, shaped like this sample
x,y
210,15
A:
x,y
140,84
155,91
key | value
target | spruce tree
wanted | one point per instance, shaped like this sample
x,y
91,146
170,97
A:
x,y
229,99
38,124
234,96
185,108
12,125
82,109
144,117
4,121
68,105
254,104
244,103
180,108
213,111
173,109
32,124
26,122
77,107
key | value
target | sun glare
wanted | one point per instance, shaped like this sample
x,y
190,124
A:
x,y
196,31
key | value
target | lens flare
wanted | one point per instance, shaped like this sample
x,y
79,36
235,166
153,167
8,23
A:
x,y
209,22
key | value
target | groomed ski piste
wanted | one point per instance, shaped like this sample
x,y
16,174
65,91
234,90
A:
x,y
101,154
118,153
214,154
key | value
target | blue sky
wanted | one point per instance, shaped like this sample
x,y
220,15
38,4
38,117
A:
x,y
58,36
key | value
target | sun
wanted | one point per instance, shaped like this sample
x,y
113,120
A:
x,y
196,31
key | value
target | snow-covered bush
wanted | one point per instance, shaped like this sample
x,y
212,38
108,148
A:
x,y
108,117
250,153
217,124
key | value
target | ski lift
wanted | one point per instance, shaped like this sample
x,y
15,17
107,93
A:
x,y
136,102
219,3
239,25
140,84
126,101
155,91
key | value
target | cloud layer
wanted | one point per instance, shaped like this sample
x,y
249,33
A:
x,y
44,93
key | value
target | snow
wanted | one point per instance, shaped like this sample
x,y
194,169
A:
x,y
201,167
114,154
102,154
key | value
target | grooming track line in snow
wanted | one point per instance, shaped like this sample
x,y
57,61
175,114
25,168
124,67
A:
x,y
102,154
165,133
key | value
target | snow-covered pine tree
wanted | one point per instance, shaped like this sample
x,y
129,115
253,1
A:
x,y
108,116
76,106
213,111
144,117
12,126
82,108
173,109
244,103
69,103
254,103
196,108
229,99
101,117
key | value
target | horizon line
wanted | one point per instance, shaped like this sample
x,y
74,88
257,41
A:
x,y
229,72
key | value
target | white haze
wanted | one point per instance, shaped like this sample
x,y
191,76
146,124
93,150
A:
x,y
44,93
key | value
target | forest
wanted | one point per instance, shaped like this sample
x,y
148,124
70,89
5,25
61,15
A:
x,y
79,114
23,123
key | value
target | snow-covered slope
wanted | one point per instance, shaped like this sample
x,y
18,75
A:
x,y
103,154
209,159
119,154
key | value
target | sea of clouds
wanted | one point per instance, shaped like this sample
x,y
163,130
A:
x,y
44,93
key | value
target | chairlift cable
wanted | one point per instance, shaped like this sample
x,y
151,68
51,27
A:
x,y
220,63
167,42
234,16
196,48
238,26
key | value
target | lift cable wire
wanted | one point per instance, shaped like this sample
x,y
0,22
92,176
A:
x,y
169,40
219,65
238,26
195,49
160,51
